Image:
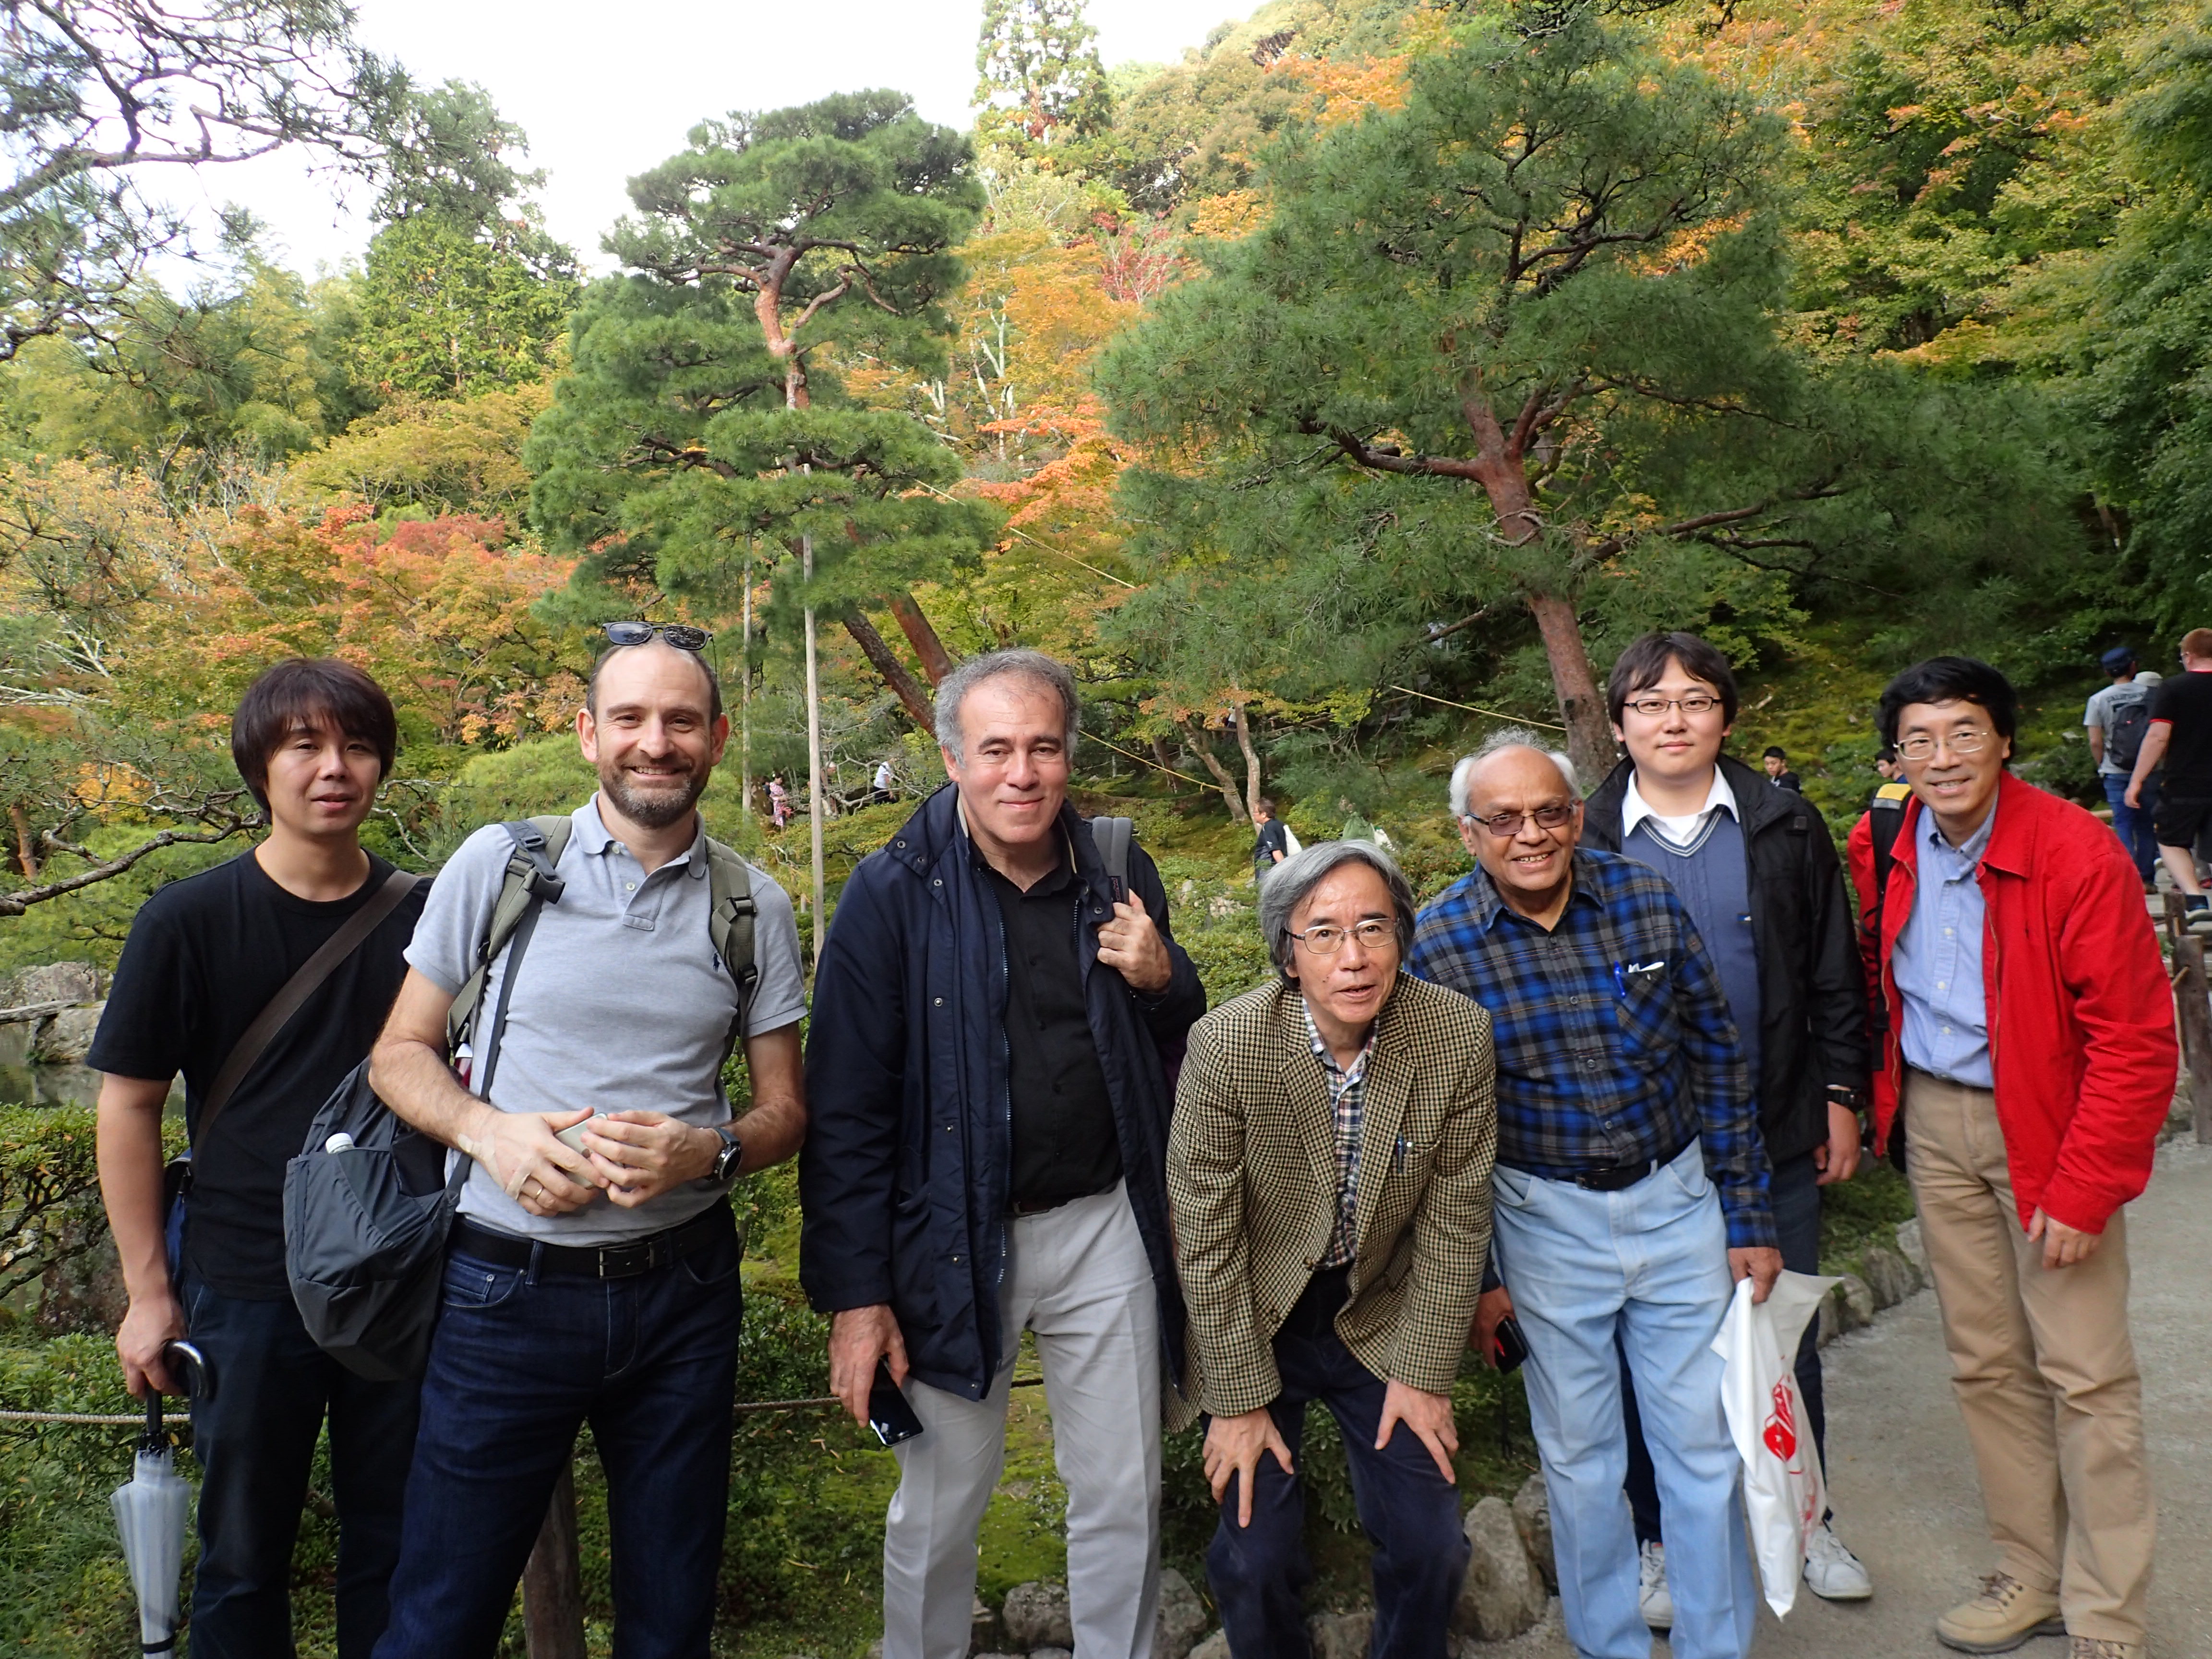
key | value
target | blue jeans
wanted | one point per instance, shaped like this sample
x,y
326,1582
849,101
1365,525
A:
x,y
254,1438
2132,824
1796,1195
1647,1268
521,1360
1409,1511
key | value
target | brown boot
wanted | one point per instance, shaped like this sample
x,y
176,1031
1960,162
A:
x,y
2095,1647
2004,1615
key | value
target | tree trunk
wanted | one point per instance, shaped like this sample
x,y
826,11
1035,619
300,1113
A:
x,y
1251,760
1165,761
26,849
936,662
553,1581
1204,750
1589,737
884,661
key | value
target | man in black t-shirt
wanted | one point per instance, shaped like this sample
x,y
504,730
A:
x,y
1273,844
312,741
2181,740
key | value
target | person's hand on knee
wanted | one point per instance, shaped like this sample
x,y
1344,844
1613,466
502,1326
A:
x,y
1428,1415
1234,1446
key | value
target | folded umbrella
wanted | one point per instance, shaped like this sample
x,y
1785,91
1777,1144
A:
x,y
151,1511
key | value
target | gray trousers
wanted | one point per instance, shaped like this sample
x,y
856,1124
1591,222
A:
x,y
1077,1277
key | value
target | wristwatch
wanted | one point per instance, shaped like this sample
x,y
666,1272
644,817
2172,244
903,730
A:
x,y
731,1155
1847,1097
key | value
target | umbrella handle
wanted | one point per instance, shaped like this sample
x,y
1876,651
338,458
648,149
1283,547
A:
x,y
156,1436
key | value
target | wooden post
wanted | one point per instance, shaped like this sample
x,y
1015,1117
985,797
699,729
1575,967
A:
x,y
2190,998
553,1581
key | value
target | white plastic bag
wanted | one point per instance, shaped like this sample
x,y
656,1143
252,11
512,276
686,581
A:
x,y
1290,841
1783,1492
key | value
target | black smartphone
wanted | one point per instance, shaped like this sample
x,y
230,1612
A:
x,y
1512,1346
890,1414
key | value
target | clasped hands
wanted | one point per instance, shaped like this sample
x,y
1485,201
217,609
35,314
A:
x,y
631,1157
1234,1445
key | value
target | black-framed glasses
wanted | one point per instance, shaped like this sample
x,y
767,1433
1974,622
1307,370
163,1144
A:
x,y
1971,741
1506,825
682,635
1652,709
1324,940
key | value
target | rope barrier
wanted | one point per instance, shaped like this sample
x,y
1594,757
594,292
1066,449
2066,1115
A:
x,y
137,1420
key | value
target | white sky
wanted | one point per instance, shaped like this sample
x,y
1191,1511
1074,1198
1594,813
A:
x,y
601,103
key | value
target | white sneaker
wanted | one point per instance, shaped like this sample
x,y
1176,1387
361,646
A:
x,y
1653,1599
1832,1571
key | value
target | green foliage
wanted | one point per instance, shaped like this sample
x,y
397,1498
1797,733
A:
x,y
447,312
50,1208
1038,61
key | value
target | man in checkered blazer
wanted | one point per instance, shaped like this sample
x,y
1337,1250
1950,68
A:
x,y
1328,1172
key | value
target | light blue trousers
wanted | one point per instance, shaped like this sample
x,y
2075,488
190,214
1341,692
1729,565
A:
x,y
1651,1263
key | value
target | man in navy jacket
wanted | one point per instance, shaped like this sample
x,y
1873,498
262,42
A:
x,y
987,1153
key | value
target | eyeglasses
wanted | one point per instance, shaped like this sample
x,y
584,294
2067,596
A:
x,y
1326,941
1971,741
1506,825
1652,708
682,635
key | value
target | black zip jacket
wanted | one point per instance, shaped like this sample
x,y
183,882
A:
x,y
1812,987
903,1181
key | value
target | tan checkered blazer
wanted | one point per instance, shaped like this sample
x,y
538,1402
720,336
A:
x,y
1252,1178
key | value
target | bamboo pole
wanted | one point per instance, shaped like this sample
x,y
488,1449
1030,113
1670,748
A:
x,y
553,1581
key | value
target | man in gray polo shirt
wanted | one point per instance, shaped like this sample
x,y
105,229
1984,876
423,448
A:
x,y
598,1283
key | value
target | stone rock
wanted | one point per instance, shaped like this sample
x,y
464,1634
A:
x,y
1502,1594
876,1649
1215,1646
1888,1276
64,1039
1912,1246
1053,1653
1036,1616
1182,1618
1854,1302
1341,1635
1825,1321
982,1628
56,981
1531,1516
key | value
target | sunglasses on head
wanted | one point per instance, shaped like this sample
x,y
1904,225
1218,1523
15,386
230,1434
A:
x,y
682,635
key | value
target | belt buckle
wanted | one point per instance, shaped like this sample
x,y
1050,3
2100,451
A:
x,y
623,1261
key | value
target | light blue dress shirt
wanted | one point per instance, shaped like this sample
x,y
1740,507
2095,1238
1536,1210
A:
x,y
1937,961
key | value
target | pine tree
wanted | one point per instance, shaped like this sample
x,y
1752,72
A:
x,y
1040,69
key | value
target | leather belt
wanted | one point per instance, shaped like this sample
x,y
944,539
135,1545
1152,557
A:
x,y
624,1260
1618,1179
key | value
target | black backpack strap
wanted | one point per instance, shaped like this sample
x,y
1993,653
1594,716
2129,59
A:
x,y
1112,836
539,844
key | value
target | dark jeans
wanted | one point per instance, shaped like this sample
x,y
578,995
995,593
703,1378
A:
x,y
2132,824
521,1360
1796,1199
1409,1511
255,1442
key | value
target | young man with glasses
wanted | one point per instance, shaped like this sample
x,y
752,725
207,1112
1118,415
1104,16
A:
x,y
1758,872
592,1273
2028,1048
1623,1112
2180,742
1329,1176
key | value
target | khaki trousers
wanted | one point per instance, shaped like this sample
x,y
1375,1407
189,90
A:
x,y
2043,1368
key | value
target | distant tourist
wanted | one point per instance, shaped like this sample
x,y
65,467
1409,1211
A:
x,y
2118,719
779,802
880,793
2029,1123
1776,763
1760,878
1885,766
2180,741
312,741
1272,844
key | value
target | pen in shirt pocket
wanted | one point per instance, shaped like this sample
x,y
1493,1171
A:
x,y
1622,970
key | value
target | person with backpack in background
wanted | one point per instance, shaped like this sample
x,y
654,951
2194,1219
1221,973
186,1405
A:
x,y
1271,845
2027,1061
1776,760
263,982
993,1011
2116,719
1757,872
2179,740
593,1271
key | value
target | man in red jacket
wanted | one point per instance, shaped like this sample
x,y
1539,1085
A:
x,y
2028,1046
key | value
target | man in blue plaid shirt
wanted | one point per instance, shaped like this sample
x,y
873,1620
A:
x,y
1630,1192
